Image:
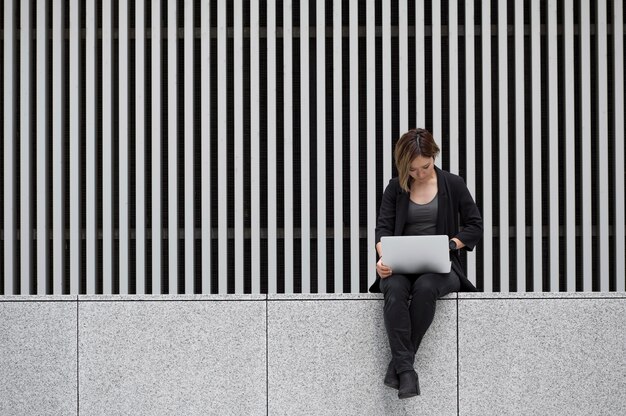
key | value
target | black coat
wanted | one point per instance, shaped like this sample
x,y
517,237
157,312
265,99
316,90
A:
x,y
457,216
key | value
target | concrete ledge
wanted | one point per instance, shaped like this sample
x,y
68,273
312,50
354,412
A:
x,y
486,353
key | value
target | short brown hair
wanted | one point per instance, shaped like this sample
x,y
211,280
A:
x,y
413,143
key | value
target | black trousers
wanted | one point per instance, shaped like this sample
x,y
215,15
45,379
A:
x,y
409,310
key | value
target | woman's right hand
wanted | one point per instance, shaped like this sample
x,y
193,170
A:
x,y
382,269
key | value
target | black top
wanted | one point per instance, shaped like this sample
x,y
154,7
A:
x,y
457,216
421,219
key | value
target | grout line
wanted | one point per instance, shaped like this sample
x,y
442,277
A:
x,y
458,374
267,378
77,361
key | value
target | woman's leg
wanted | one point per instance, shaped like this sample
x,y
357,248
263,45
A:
x,y
397,289
425,291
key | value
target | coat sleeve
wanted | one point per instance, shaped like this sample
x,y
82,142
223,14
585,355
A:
x,y
471,220
386,222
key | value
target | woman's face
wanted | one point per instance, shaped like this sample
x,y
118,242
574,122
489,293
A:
x,y
422,168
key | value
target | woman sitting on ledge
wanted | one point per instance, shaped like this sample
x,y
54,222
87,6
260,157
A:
x,y
422,200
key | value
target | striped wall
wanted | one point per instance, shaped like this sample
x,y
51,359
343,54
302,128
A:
x,y
246,150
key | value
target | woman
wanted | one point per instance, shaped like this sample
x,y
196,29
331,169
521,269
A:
x,y
422,200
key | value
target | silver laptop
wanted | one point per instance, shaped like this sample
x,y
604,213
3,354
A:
x,y
414,254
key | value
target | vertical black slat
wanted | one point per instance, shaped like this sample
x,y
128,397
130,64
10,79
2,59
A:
x,y
164,220
411,65
363,178
82,284
99,133
495,149
132,151
595,167
197,130
528,192
395,75
180,98
611,146
115,137
578,143
461,61
347,158
480,253
515,196
214,139
230,151
313,148
33,155
147,126
296,155
330,158
562,255
17,113
444,139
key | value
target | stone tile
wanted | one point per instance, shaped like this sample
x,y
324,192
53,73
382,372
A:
x,y
542,357
172,298
330,357
173,358
542,295
336,296
38,358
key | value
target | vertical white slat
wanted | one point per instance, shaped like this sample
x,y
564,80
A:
x,y
520,133
387,130
91,155
305,170
9,148
585,149
190,240
107,150
503,140
420,67
255,134
172,146
25,150
57,149
205,142
553,135
337,146
320,56
354,147
288,141
222,132
603,147
570,147
618,45
239,132
124,231
140,146
403,63
372,189
75,193
487,155
535,32
42,149
436,72
470,120
157,229
453,59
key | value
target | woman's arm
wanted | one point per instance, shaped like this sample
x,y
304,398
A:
x,y
386,221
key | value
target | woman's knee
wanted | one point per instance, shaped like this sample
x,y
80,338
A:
x,y
395,287
426,285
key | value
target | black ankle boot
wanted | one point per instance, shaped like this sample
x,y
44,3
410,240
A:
x,y
409,384
391,378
